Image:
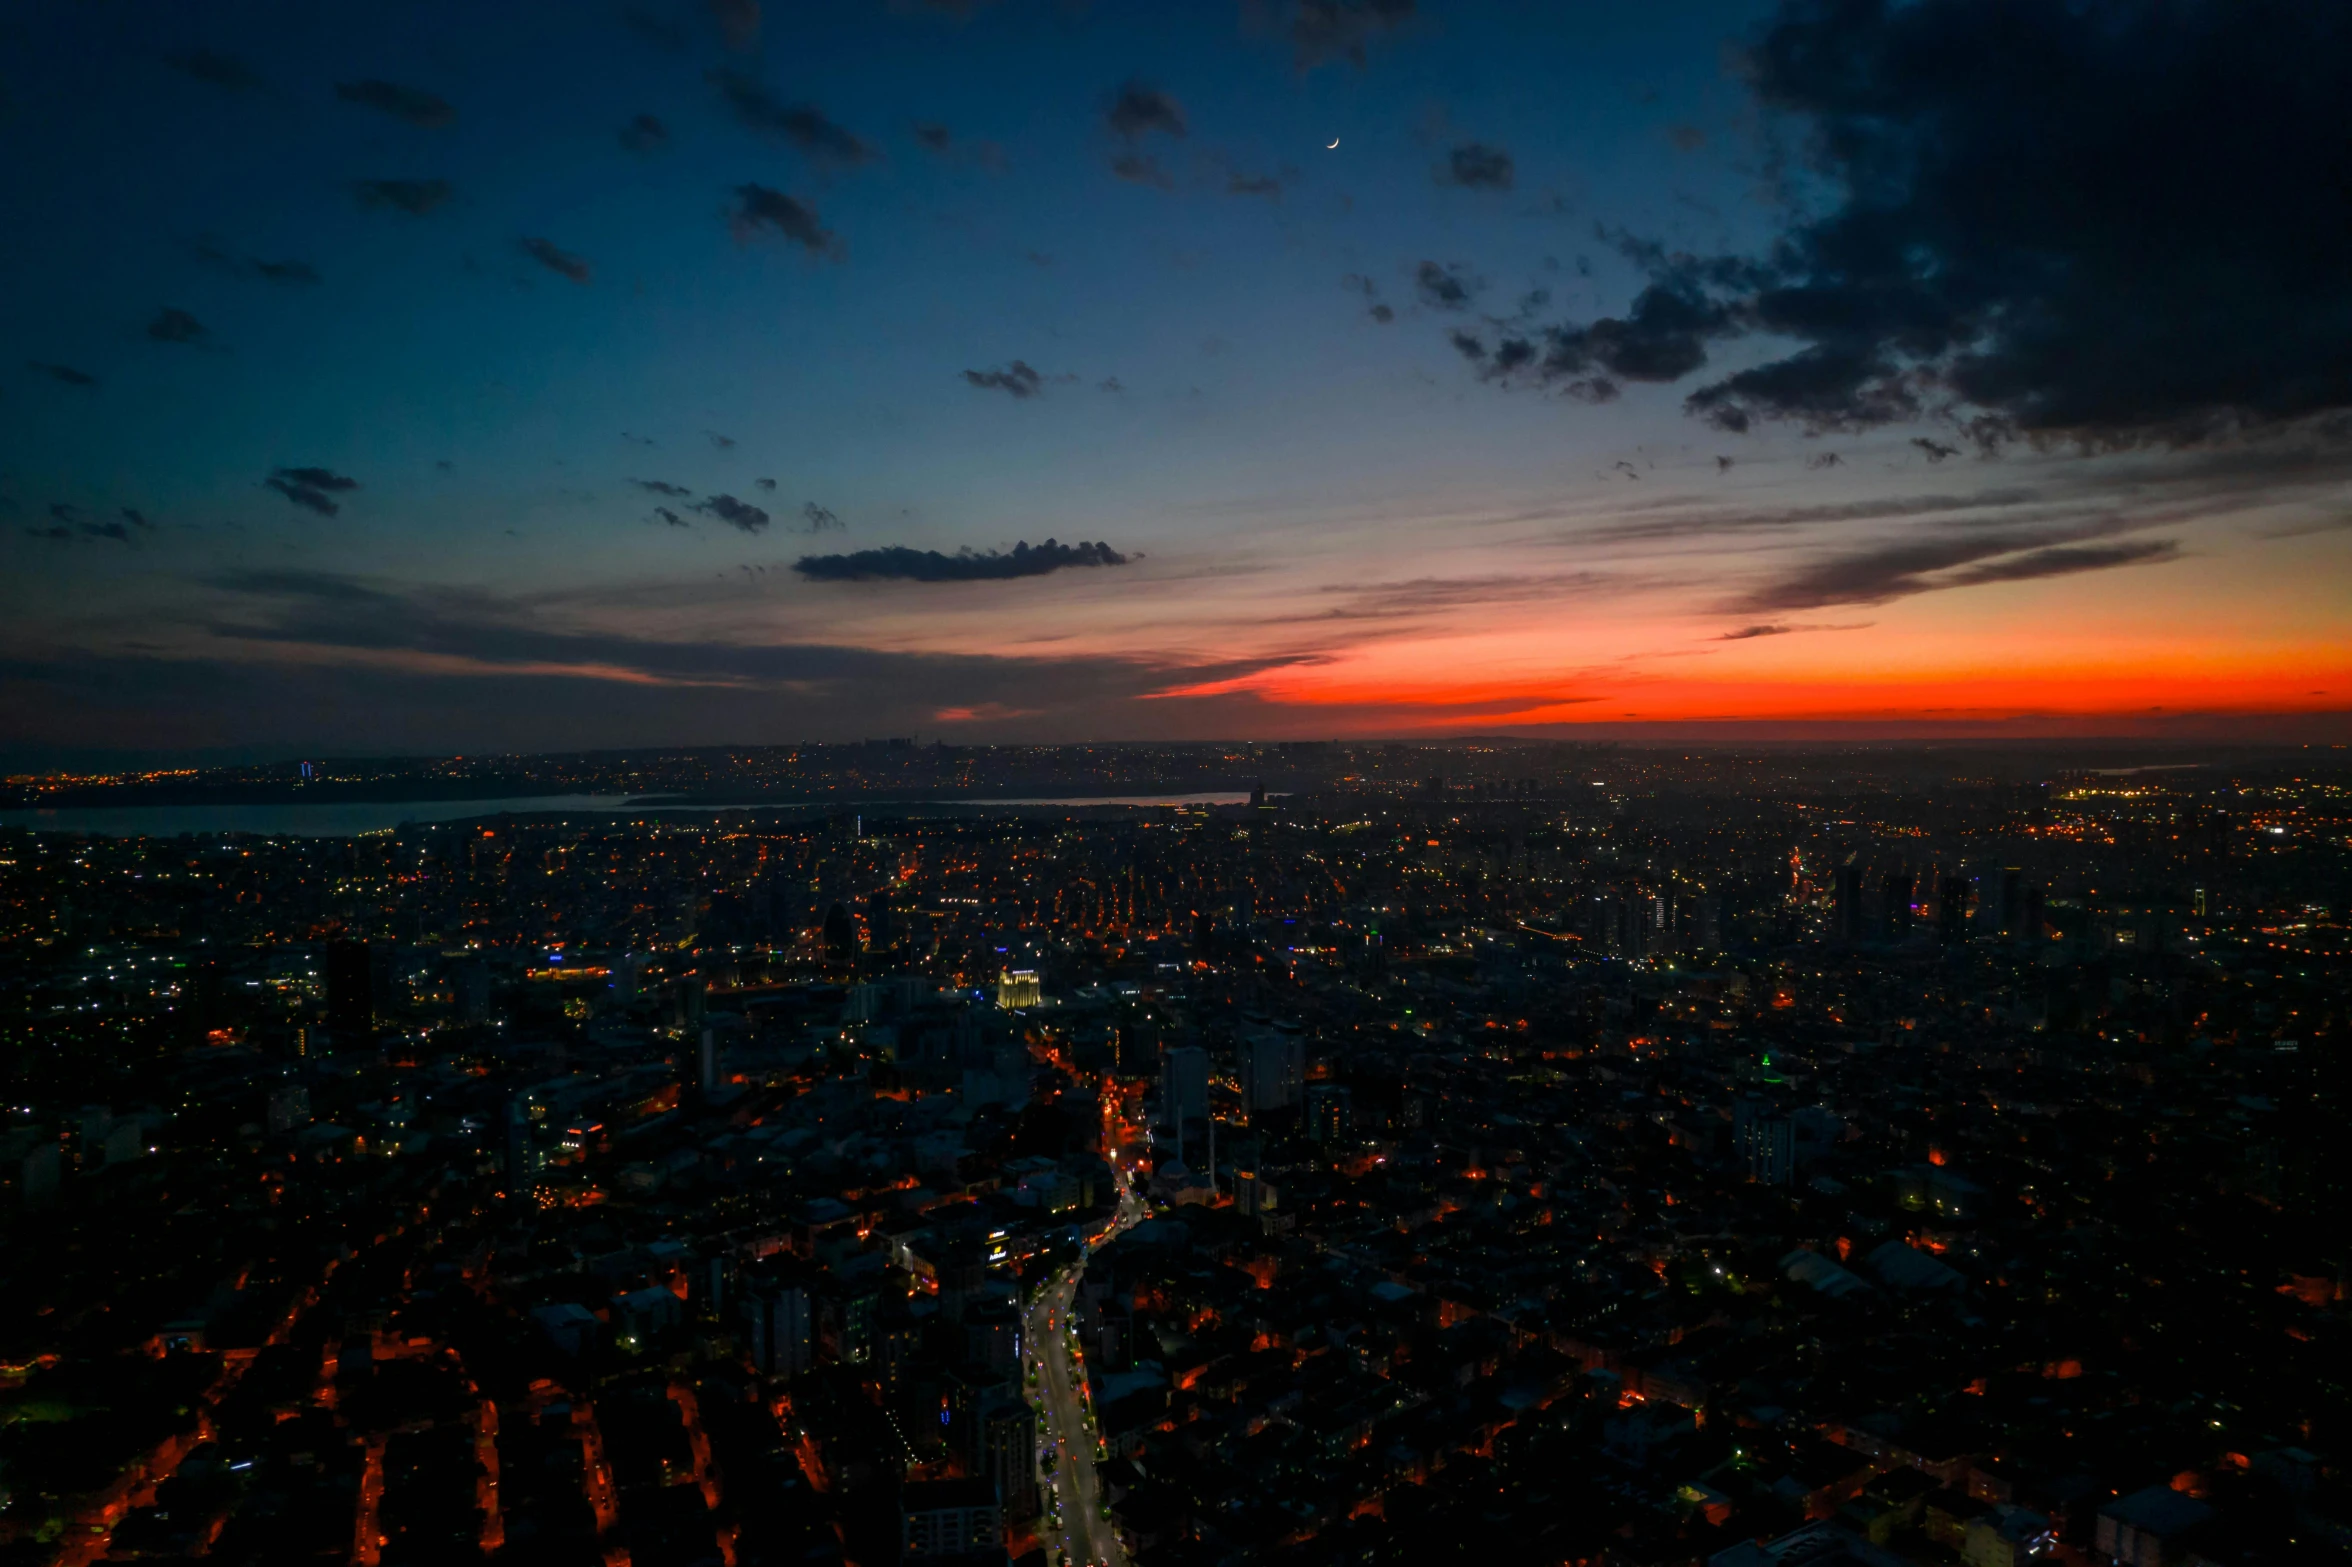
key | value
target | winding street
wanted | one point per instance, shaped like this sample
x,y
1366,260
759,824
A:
x,y
1073,1530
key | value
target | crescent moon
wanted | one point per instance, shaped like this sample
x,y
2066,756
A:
x,y
1334,145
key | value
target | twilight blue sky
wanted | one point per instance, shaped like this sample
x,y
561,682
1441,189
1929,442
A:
x,y
1257,368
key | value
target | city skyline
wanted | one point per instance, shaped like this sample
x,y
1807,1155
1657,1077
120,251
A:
x,y
424,381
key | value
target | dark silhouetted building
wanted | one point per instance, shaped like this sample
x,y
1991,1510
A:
x,y
351,992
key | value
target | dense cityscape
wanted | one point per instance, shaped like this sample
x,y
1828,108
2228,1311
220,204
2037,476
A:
x,y
1483,1153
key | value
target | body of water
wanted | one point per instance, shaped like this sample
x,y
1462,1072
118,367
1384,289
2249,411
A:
x,y
343,819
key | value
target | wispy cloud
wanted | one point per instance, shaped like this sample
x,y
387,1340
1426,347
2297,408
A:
x,y
176,326
1138,110
758,208
312,489
739,515
214,69
412,104
1881,573
1326,30
1017,379
290,273
803,125
1477,166
414,197
553,259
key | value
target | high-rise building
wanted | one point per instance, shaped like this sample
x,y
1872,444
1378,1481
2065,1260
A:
x,y
775,1310
1273,1067
1331,1113
1952,908
1763,1141
1184,1085
1894,897
351,992
1847,910
949,1518
1007,1454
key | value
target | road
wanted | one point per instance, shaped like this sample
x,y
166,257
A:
x,y
1073,1529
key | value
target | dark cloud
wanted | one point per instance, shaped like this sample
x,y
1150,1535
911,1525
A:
x,y
1881,572
1444,287
412,104
936,137
1681,521
661,487
800,124
739,22
2099,223
1137,169
176,326
1686,138
1138,110
724,443
899,563
545,253
1109,383
1326,30
1381,313
645,134
104,530
662,32
2065,560
414,197
65,511
765,484
313,489
299,274
671,517
1417,598
820,519
1748,633
64,375
758,207
135,518
1017,378
1936,451
740,515
1662,338
455,671
216,70
1476,166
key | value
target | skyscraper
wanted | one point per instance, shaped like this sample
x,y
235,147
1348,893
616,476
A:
x,y
1184,1085
351,993
1273,1062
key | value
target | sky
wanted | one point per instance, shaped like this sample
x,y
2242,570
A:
x,y
427,379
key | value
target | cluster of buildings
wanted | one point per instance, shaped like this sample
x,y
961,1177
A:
x,y
1533,1159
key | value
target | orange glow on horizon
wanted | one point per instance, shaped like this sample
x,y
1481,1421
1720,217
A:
x,y
1444,686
